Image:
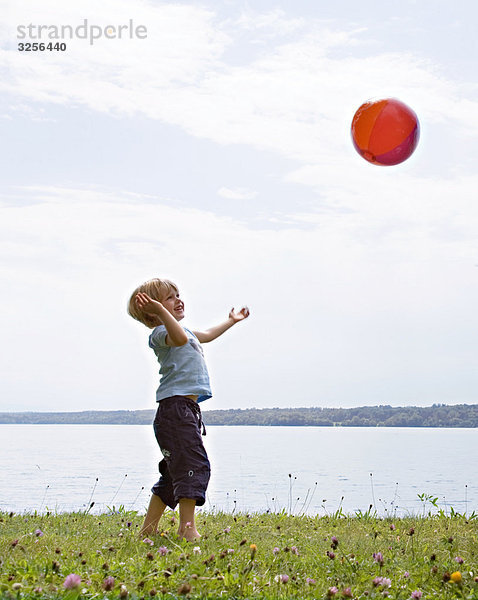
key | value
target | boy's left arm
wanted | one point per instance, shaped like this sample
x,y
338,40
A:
x,y
214,332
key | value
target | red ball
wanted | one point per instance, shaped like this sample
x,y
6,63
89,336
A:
x,y
385,132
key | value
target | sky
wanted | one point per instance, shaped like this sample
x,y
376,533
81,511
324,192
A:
x,y
216,152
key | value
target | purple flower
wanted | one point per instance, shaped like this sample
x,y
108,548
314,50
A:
x,y
276,551
381,581
148,541
406,574
417,594
282,578
459,560
310,581
332,591
72,581
331,555
347,593
162,550
227,530
378,558
294,550
109,583
39,532
392,527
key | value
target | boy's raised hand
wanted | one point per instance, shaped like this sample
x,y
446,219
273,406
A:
x,y
147,304
239,316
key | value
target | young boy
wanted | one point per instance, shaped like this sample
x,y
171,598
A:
x,y
185,469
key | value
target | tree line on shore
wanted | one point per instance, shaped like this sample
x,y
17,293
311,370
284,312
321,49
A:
x,y
438,415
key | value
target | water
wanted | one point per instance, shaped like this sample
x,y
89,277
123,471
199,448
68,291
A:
x,y
297,469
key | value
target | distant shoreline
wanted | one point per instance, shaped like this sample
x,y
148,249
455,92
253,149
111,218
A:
x,y
438,415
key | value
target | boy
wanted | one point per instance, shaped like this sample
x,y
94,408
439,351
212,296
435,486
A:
x,y
185,469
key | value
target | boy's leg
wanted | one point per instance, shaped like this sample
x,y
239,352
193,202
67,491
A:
x,y
155,511
187,527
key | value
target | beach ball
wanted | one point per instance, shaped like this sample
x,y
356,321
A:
x,y
385,132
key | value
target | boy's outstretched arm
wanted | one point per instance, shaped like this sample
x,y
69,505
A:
x,y
214,332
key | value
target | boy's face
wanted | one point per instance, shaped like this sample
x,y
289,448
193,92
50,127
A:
x,y
174,304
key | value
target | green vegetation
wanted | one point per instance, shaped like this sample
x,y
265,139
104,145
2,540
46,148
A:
x,y
81,555
438,415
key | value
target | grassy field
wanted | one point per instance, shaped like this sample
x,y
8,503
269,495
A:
x,y
239,556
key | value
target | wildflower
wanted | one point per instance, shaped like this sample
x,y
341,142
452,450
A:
x,y
446,576
382,582
14,543
392,527
347,593
331,555
38,590
230,550
227,530
253,548
310,581
411,531
332,591
72,581
196,550
335,542
189,525
456,577
162,550
459,560
281,578
16,587
38,532
406,574
184,589
275,551
123,592
108,583
417,594
294,550
148,541
378,558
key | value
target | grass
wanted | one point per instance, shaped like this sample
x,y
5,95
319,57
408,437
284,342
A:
x,y
239,556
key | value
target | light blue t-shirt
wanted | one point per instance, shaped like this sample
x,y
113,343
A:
x,y
183,368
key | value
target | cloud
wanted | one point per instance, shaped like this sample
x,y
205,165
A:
x,y
236,194
295,97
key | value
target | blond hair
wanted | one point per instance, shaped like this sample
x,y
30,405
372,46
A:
x,y
157,289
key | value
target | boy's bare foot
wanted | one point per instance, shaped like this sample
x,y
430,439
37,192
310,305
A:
x,y
189,533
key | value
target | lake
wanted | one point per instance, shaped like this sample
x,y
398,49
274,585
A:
x,y
313,470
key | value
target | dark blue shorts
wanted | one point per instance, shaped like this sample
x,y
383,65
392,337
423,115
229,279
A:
x,y
185,469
